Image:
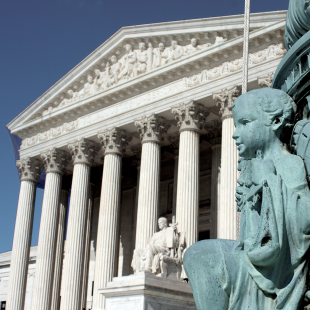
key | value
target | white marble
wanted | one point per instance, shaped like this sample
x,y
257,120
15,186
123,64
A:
x,y
227,212
191,117
87,246
63,205
29,173
114,143
54,164
145,291
151,130
83,152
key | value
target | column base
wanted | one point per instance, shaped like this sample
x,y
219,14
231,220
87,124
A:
x,y
145,291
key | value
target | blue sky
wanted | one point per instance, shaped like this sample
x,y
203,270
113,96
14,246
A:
x,y
42,40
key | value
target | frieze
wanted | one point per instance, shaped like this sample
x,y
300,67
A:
x,y
273,51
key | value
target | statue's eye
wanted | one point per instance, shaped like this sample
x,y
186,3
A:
x,y
245,121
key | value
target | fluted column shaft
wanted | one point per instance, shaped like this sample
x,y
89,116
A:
x,y
21,246
45,262
29,173
215,188
87,246
54,162
151,129
187,210
63,205
191,117
148,193
114,142
83,152
227,213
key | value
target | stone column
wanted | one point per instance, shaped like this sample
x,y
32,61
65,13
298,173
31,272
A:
x,y
175,149
191,117
54,164
114,142
137,158
87,245
83,152
215,188
63,206
214,137
227,212
151,131
30,171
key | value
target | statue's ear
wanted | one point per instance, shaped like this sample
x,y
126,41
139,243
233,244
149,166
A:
x,y
277,122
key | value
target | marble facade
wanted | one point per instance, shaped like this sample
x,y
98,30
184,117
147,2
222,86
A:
x,y
140,129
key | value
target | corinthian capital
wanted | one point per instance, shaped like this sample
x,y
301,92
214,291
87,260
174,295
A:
x,y
55,160
225,100
29,169
83,151
152,128
190,116
114,141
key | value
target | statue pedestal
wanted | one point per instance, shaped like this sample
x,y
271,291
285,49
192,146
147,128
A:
x,y
145,291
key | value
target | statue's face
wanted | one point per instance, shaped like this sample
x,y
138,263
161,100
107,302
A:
x,y
174,45
251,134
161,47
128,48
194,42
113,59
97,72
90,79
162,225
142,46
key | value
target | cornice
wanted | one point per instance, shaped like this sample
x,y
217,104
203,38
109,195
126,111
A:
x,y
137,33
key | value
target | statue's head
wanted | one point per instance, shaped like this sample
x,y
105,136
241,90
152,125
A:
x,y
114,59
128,47
162,223
142,46
89,78
174,44
161,47
262,118
97,72
194,42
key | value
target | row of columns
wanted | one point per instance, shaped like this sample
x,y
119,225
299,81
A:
x,y
191,117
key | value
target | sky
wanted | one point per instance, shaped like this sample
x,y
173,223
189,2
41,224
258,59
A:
x,y
42,40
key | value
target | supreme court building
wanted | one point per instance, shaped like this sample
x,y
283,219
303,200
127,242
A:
x,y
140,129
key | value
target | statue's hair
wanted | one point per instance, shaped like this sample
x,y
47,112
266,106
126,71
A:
x,y
163,219
273,103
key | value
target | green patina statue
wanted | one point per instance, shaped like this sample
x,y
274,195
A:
x,y
268,267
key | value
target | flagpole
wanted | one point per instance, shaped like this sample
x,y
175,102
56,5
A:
x,y
246,47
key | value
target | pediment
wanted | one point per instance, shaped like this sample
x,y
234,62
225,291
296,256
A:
x,y
138,58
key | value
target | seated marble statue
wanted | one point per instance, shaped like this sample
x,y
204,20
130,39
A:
x,y
268,267
165,246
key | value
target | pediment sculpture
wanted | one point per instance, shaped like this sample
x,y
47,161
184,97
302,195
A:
x,y
132,64
163,255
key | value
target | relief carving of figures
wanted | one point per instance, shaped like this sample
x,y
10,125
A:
x,y
175,51
137,62
142,57
163,252
160,56
272,51
115,70
128,61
